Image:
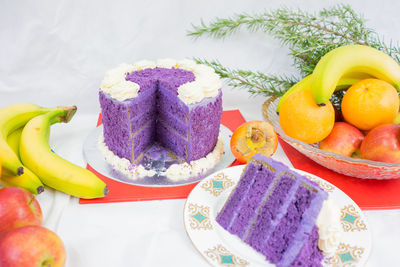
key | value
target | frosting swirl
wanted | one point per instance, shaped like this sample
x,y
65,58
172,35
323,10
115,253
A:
x,y
167,63
144,64
189,93
187,64
124,90
116,75
329,228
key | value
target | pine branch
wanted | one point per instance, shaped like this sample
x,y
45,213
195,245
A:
x,y
309,37
255,82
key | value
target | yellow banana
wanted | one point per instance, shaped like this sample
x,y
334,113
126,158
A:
x,y
351,58
13,140
27,180
53,170
11,118
345,82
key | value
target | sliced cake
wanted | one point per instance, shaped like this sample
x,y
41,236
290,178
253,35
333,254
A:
x,y
177,104
274,210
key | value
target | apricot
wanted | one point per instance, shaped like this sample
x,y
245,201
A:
x,y
253,137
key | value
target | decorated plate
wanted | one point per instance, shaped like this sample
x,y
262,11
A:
x,y
220,248
96,160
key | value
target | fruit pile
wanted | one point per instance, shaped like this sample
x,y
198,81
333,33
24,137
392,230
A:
x,y
366,126
23,239
27,161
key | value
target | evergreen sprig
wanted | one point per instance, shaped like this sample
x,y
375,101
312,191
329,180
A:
x,y
309,36
254,82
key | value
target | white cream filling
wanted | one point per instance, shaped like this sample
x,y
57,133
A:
x,y
175,172
329,227
206,84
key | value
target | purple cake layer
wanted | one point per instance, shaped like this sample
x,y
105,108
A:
x,y
167,101
143,139
170,139
271,212
250,204
229,210
189,131
276,246
308,255
274,210
170,121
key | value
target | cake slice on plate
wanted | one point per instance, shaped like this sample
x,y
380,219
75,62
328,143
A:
x,y
275,210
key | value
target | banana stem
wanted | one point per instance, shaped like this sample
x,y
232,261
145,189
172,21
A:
x,y
66,114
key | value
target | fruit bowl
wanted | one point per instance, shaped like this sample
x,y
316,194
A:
x,y
354,167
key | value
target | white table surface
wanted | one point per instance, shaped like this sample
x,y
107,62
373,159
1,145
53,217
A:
x,y
56,52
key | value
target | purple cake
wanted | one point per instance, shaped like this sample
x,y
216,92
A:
x,y
177,104
274,210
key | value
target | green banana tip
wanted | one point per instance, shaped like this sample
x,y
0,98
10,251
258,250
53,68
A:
x,y
70,113
106,190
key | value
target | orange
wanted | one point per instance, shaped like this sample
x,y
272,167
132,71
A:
x,y
302,119
253,137
369,103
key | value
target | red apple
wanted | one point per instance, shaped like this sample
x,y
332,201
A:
x,y
382,144
18,208
31,246
344,139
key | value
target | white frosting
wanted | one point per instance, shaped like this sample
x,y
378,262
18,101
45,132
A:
x,y
125,90
210,85
187,64
115,76
144,64
203,70
328,223
122,164
206,84
189,93
116,86
175,172
167,63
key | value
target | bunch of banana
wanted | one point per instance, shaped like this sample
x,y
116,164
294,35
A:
x,y
13,118
27,159
344,66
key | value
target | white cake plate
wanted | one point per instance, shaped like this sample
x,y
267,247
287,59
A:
x,y
220,248
95,159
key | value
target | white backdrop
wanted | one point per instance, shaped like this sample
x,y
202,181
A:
x,y
56,52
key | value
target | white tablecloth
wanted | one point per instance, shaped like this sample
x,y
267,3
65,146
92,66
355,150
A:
x,y
56,52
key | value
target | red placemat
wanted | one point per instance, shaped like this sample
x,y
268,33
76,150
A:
x,y
121,192
368,194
